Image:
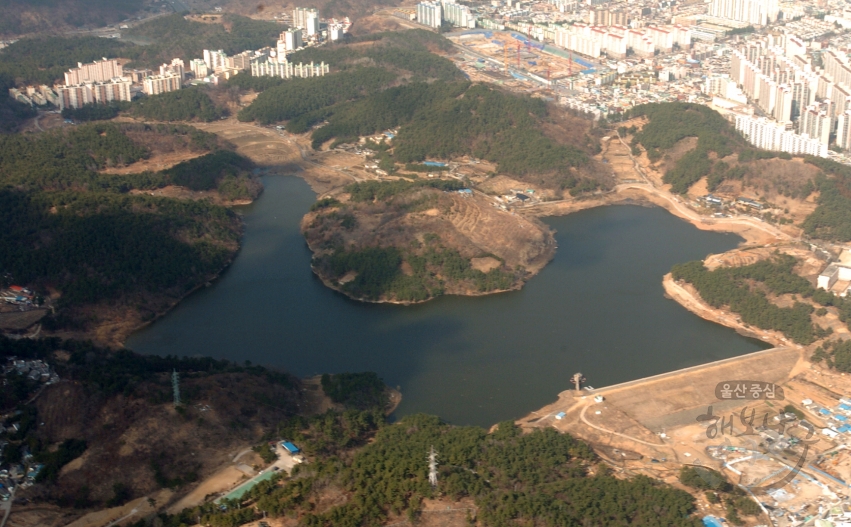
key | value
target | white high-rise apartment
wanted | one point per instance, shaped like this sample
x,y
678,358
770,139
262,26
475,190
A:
x,y
102,92
215,59
430,14
199,68
753,12
458,15
100,70
306,18
269,67
769,135
290,40
843,130
157,84
177,67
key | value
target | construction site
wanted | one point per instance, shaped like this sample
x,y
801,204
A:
x,y
511,59
774,424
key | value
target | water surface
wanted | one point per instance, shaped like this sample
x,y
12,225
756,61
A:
x,y
598,308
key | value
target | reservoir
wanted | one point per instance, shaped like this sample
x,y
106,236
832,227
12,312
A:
x,y
597,308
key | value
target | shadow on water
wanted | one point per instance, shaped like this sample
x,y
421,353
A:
x,y
597,308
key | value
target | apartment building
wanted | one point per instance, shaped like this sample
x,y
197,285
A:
x,y
430,14
101,92
176,67
752,12
269,67
156,84
306,19
101,70
770,135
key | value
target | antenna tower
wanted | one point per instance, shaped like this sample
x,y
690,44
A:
x,y
432,467
175,384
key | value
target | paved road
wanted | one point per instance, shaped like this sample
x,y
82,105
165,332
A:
x,y
595,427
7,506
119,520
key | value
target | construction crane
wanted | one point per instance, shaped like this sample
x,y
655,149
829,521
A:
x,y
549,82
504,54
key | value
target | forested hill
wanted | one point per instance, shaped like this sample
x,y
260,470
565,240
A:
x,y
723,155
439,114
511,478
96,246
21,17
507,476
44,59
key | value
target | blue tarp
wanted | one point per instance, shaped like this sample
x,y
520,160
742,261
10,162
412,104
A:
x,y
434,164
845,407
582,62
844,428
840,418
824,411
712,521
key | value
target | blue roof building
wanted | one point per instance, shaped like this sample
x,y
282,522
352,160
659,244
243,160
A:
x,y
289,447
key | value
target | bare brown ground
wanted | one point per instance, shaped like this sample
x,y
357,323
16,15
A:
x,y
130,512
279,153
176,192
41,515
471,225
154,163
18,320
225,479
485,264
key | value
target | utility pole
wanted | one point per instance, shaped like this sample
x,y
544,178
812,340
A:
x,y
432,467
175,384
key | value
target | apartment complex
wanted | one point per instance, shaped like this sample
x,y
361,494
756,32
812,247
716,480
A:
x,y
156,84
430,14
269,67
751,12
102,92
98,71
770,135
306,19
608,17
614,41
779,85
458,15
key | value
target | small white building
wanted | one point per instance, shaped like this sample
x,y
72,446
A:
x,y
831,274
